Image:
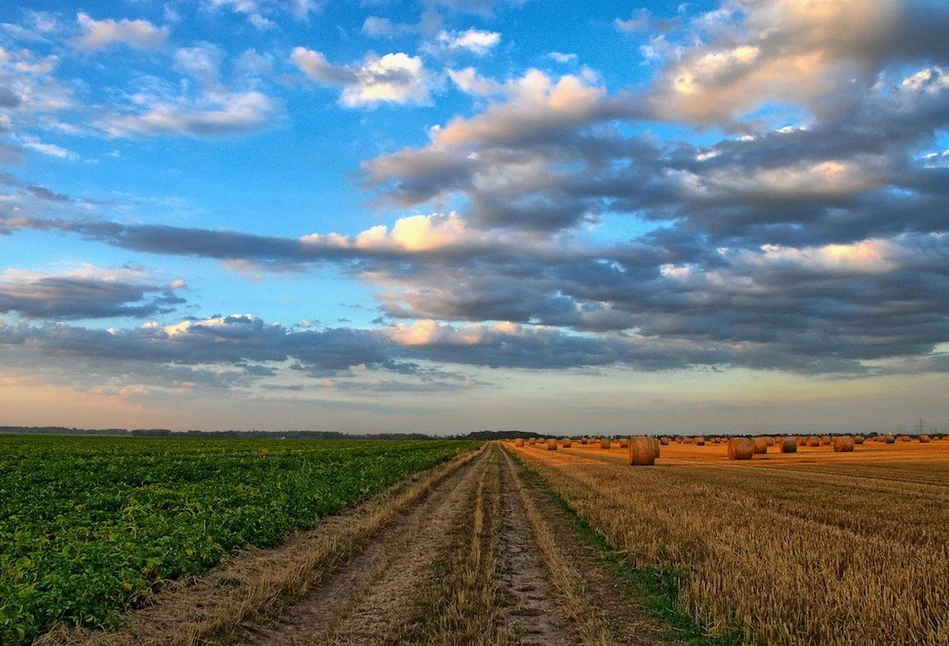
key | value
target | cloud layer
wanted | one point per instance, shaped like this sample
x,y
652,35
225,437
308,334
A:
x,y
773,196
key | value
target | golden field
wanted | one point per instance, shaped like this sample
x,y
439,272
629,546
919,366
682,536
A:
x,y
813,547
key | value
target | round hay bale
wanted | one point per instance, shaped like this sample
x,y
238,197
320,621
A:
x,y
787,445
740,448
699,441
760,445
825,440
924,439
551,445
583,440
889,439
812,441
642,451
858,439
624,444
664,441
605,444
518,442
565,443
843,444
769,441
800,441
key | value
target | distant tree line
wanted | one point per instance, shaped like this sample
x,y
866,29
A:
x,y
244,435
339,435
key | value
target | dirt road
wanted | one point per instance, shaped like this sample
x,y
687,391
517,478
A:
x,y
470,553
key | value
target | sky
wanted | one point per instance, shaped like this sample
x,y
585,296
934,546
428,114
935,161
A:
x,y
454,215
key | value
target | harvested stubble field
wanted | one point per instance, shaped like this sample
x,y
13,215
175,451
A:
x,y
813,547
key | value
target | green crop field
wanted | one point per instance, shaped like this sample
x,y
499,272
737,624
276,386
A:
x,y
88,525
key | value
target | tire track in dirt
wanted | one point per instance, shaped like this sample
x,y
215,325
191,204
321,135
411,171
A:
x,y
365,602
525,577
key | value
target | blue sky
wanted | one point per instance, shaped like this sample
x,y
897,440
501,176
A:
x,y
447,216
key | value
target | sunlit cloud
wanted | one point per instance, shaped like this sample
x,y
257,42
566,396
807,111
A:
x,y
392,78
137,34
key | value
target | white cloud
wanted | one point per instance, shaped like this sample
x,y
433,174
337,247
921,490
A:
x,y
33,65
428,332
537,102
561,57
470,82
44,22
51,150
211,115
412,233
643,21
863,257
931,81
137,34
252,66
258,12
27,85
315,65
383,27
786,51
393,78
301,9
639,21
170,14
201,62
476,41
261,22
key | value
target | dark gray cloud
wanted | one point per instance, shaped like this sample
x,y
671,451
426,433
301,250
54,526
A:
x,y
214,115
9,98
232,340
9,153
281,253
76,297
804,310
34,190
822,307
